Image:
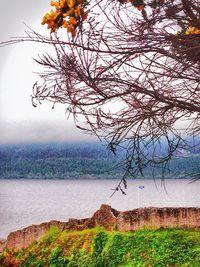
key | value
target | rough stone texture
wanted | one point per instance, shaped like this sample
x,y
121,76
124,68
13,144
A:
x,y
111,219
23,238
155,218
2,245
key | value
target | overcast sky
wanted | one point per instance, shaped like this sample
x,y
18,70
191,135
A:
x,y
19,121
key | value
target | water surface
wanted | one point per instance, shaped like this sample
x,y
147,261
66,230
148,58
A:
x,y
26,202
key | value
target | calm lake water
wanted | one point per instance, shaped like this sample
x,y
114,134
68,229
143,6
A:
x,y
26,202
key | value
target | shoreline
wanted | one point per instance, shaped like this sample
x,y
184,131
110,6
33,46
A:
x,y
111,219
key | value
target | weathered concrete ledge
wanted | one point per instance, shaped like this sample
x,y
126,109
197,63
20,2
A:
x,y
111,219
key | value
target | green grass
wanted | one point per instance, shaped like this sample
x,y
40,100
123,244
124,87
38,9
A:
x,y
100,248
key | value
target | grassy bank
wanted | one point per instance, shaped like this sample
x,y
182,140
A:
x,y
100,248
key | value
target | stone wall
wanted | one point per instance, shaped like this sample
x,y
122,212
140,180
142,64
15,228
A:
x,y
111,219
23,238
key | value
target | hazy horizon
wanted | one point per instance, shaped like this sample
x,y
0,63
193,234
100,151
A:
x,y
20,122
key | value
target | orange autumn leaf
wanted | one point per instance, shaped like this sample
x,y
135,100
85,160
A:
x,y
140,7
73,21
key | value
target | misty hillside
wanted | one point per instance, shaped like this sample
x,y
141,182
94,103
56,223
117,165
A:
x,y
80,160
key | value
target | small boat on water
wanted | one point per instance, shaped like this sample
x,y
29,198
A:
x,y
141,186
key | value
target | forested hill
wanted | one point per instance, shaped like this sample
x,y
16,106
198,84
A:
x,y
76,160
62,160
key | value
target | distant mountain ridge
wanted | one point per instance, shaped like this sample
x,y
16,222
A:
x,y
84,160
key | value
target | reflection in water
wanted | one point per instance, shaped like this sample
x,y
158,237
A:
x,y
26,202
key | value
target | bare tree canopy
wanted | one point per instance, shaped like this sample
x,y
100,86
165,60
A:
x,y
131,69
